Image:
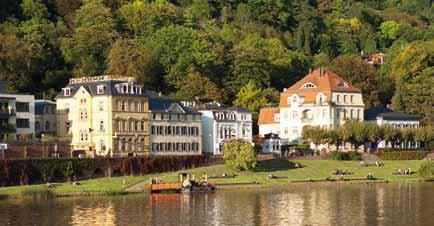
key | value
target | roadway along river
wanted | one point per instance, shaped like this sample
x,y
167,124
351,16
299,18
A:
x,y
391,204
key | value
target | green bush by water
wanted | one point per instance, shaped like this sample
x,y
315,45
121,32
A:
x,y
426,170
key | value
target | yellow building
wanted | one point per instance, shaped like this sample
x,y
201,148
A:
x,y
104,116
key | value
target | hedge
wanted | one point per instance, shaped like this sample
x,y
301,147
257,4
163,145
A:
x,y
33,171
345,156
402,155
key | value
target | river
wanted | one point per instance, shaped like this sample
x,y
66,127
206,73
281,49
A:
x,y
394,204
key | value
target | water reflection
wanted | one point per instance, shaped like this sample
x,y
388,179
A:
x,y
376,204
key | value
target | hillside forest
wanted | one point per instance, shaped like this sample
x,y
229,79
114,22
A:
x,y
232,51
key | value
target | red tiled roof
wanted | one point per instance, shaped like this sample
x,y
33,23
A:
x,y
266,115
326,83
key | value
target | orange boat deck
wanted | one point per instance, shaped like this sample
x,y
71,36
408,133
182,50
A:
x,y
161,187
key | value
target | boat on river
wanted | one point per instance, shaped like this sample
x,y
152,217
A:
x,y
186,184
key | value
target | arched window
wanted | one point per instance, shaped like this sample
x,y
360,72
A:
x,y
308,85
343,84
102,145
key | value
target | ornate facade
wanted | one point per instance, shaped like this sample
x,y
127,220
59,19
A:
x,y
104,116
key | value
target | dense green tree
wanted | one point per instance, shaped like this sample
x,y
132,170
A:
x,y
361,75
90,42
254,98
413,72
127,58
142,18
388,32
179,49
195,86
239,154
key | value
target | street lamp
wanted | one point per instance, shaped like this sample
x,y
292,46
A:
x,y
43,144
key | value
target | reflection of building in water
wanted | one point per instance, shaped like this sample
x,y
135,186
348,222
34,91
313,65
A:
x,y
319,208
380,206
103,214
281,209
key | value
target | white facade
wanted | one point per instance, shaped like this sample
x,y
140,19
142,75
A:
x,y
384,116
323,112
271,144
220,125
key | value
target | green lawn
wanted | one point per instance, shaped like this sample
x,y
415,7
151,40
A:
x,y
282,169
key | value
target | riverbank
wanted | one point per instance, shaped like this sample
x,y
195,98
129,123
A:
x,y
275,172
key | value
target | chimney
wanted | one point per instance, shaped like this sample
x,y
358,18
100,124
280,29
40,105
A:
x,y
321,72
310,70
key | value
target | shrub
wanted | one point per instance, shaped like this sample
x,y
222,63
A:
x,y
426,170
345,156
401,155
239,154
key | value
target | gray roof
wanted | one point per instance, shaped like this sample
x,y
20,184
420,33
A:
x,y
40,104
387,114
224,108
164,104
91,87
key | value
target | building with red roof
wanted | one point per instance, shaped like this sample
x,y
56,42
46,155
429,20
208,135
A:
x,y
321,98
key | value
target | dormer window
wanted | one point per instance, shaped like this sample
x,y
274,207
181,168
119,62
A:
x,y
67,92
343,84
100,89
308,85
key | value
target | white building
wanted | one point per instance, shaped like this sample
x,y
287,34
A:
x,y
17,114
321,98
384,116
271,143
220,124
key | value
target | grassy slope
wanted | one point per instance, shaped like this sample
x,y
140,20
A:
x,y
313,169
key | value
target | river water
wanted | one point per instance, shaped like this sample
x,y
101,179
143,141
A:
x,y
394,204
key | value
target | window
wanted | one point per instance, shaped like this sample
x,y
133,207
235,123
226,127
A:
x,y
308,85
294,115
343,84
352,99
67,127
358,114
67,92
345,98
295,131
101,106
47,125
123,105
286,130
338,98
83,114
22,106
101,126
352,114
142,125
37,126
100,89
102,145
83,101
